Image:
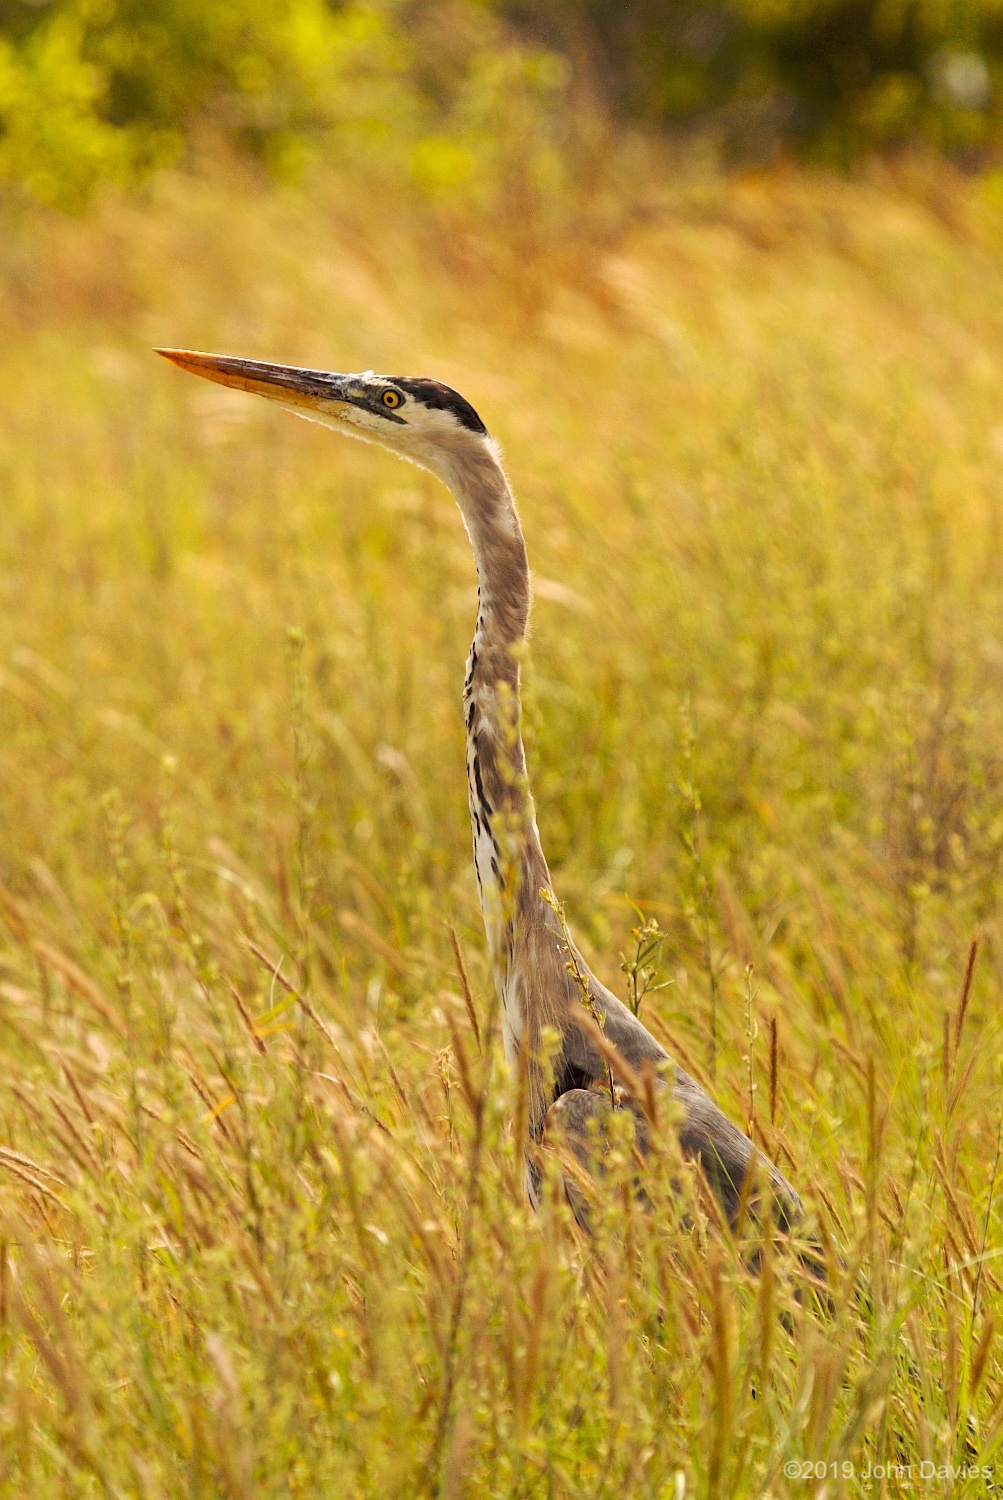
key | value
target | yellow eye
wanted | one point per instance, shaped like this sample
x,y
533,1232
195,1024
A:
x,y
391,399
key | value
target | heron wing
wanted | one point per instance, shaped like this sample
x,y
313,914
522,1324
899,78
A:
x,y
705,1132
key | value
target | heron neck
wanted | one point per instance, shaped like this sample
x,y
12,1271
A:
x,y
492,521
508,858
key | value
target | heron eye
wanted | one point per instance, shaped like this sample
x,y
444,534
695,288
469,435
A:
x,y
391,399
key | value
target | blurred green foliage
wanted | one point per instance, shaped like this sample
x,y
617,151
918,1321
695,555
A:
x,y
105,89
841,75
97,90
92,89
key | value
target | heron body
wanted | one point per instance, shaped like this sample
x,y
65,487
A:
x,y
433,426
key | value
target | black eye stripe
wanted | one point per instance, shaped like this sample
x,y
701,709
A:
x,y
430,394
433,394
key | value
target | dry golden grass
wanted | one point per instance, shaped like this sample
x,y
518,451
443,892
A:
x,y
263,1227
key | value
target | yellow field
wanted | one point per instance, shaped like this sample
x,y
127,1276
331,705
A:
x,y
253,1243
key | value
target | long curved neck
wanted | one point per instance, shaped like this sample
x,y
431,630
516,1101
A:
x,y
489,514
508,858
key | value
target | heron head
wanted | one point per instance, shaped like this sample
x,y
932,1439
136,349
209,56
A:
x,y
419,419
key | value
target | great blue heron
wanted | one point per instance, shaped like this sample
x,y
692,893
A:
x,y
542,980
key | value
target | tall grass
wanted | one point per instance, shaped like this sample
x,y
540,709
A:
x,y
261,1189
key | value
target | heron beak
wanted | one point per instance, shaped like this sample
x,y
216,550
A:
x,y
303,390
